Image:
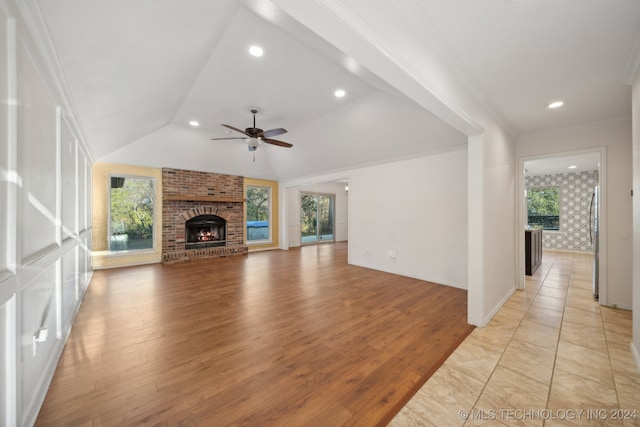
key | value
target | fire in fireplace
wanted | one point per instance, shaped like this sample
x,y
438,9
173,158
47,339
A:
x,y
206,231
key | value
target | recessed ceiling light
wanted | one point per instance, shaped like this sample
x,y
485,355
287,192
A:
x,y
256,51
339,93
194,123
556,104
572,167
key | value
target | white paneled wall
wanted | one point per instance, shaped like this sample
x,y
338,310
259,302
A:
x,y
37,160
45,235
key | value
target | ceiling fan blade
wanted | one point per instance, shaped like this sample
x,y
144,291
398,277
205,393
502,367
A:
x,y
272,132
236,129
229,137
278,143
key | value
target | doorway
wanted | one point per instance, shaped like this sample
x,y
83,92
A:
x,y
566,221
317,213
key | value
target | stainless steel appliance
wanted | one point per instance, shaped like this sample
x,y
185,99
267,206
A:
x,y
593,236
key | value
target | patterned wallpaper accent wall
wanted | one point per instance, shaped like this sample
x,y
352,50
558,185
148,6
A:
x,y
576,191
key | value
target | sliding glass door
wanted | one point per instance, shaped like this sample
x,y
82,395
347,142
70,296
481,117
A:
x,y
317,218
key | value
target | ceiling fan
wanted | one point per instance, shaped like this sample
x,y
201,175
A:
x,y
256,136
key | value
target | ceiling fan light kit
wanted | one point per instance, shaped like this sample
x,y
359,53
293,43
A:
x,y
253,143
255,136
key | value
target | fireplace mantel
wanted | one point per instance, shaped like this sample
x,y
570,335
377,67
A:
x,y
186,198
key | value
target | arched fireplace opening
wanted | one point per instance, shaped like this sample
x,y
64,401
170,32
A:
x,y
205,231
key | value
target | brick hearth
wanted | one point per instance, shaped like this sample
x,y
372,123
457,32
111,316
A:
x,y
187,194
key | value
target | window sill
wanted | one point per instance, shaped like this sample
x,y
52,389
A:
x,y
259,242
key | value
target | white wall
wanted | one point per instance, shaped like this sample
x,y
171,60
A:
x,y
635,345
615,136
341,215
416,208
45,235
491,223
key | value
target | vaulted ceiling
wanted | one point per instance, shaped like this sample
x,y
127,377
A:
x,y
139,71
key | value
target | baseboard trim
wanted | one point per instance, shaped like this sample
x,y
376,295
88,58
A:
x,y
636,354
497,308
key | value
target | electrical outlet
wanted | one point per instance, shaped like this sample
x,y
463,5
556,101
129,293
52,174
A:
x,y
40,337
393,254
367,251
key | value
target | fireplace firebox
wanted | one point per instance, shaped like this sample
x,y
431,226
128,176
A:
x,y
205,231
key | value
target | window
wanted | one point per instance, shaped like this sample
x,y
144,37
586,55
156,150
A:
x,y
316,218
258,214
131,213
543,208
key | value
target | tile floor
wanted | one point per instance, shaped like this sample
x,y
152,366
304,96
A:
x,y
551,356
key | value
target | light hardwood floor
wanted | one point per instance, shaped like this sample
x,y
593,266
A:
x,y
288,338
550,353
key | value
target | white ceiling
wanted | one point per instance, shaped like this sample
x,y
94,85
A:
x,y
527,53
137,70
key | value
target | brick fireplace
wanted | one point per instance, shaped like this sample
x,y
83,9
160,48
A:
x,y
214,203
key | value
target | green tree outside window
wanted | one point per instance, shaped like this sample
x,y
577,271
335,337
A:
x,y
543,208
131,213
258,213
